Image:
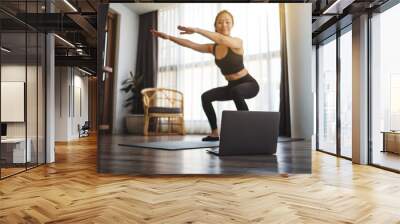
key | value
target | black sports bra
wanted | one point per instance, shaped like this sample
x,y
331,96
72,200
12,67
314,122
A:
x,y
231,63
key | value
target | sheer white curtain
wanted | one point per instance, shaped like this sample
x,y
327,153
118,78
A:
x,y
194,73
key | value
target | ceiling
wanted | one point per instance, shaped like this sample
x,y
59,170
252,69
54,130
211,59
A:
x,y
72,20
328,15
332,15
23,48
141,8
79,28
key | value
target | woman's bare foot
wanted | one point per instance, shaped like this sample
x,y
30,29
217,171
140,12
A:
x,y
214,136
214,133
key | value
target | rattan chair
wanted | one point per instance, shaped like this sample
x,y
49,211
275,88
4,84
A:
x,y
161,103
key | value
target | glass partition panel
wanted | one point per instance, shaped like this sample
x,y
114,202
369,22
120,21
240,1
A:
x,y
31,98
327,97
385,87
15,151
22,87
346,94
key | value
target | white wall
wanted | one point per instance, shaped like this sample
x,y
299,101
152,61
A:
x,y
125,59
12,73
299,46
15,73
61,103
80,109
69,82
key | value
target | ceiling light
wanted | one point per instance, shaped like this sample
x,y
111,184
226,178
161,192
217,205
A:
x,y
70,5
337,7
5,50
84,71
64,40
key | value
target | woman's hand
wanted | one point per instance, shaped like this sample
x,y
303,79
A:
x,y
186,30
159,34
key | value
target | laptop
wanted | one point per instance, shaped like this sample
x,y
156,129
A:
x,y
248,133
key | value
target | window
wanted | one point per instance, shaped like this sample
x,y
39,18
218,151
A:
x,y
346,94
385,85
327,96
194,73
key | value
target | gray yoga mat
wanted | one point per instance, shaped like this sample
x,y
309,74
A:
x,y
287,139
181,145
173,145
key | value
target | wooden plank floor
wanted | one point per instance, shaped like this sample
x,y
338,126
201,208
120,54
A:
x,y
291,157
71,191
10,171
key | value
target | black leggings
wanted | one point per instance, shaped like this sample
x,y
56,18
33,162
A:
x,y
236,90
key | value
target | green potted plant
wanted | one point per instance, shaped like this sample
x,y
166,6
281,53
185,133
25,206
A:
x,y
135,120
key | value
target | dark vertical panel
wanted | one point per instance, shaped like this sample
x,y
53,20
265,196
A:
x,y
338,74
369,78
1,161
147,55
37,91
101,31
284,105
92,87
73,91
109,62
26,87
316,96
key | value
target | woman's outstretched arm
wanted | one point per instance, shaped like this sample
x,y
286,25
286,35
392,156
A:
x,y
203,48
232,42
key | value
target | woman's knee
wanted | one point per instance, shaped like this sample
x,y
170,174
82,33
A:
x,y
257,89
252,90
206,97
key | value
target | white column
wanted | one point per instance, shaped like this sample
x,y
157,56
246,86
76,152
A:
x,y
314,93
360,90
299,47
50,99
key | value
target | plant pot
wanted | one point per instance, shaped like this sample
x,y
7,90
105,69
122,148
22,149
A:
x,y
134,123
